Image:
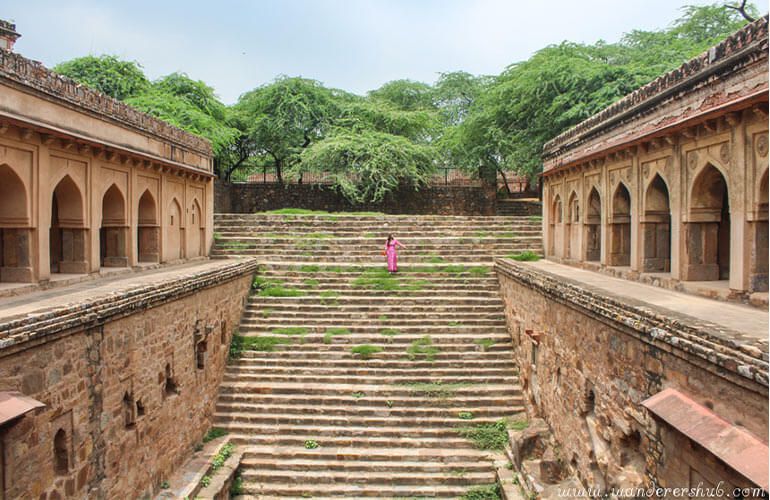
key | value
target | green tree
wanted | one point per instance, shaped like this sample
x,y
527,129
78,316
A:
x,y
284,117
107,74
407,95
366,165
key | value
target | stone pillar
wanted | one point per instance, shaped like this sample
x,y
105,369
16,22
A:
x,y
739,228
16,247
676,195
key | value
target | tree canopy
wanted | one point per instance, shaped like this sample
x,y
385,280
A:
x,y
398,134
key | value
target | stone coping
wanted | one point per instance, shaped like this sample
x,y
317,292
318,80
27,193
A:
x,y
32,74
19,331
737,46
727,350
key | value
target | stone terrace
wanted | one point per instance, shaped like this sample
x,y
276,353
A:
x,y
385,426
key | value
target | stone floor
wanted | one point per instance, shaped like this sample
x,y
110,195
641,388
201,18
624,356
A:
x,y
110,283
745,319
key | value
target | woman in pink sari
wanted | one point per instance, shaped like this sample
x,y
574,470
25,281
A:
x,y
390,252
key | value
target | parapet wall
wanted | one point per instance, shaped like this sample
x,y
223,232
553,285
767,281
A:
x,y
436,200
130,394
588,360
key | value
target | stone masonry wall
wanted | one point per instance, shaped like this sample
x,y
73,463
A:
x,y
588,361
437,200
133,393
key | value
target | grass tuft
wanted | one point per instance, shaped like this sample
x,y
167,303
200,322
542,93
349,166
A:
x,y
365,351
483,492
333,332
424,348
525,256
492,436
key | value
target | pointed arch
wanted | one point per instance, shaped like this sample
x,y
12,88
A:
x,y
555,227
572,227
194,230
707,232
620,230
593,226
147,237
174,233
68,235
656,227
113,231
15,228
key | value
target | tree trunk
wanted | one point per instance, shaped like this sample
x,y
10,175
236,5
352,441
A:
x,y
505,180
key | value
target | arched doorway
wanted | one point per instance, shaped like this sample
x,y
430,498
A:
x,y
758,281
174,232
556,227
194,230
620,227
67,243
593,226
114,229
707,232
572,227
656,227
15,230
148,237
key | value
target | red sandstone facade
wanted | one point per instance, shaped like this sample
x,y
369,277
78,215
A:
x,y
671,180
87,182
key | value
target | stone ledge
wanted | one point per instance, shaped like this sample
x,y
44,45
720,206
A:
x,y
726,350
22,331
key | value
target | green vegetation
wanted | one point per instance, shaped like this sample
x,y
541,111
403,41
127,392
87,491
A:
x,y
381,279
263,343
492,436
311,283
484,343
236,488
365,351
479,271
291,331
311,444
525,256
358,395
367,146
266,312
485,492
389,332
333,332
279,291
422,348
214,433
465,415
455,324
164,485
309,268
438,390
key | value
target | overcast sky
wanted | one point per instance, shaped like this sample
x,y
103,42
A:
x,y
356,45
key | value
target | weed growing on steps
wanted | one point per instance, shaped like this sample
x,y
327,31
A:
x,y
329,298
490,436
508,234
422,347
518,425
389,333
309,268
214,433
279,291
383,317
260,283
236,488
465,415
455,324
333,332
234,244
525,256
358,395
266,312
241,343
304,211
535,218
479,271
436,390
365,351
481,234
311,444
217,236
435,259
311,283
484,343
220,458
484,492
291,331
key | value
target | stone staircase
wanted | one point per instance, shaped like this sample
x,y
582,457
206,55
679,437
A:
x,y
386,426
518,207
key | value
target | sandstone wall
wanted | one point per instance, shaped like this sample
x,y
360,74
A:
x,y
133,393
436,200
588,361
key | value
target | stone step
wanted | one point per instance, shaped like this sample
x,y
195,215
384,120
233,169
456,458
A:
x,y
325,476
306,488
318,324
360,421
288,434
265,381
249,369
394,299
326,353
507,402
361,408
279,363
389,391
359,306
362,463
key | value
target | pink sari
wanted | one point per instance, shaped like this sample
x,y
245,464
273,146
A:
x,y
390,252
